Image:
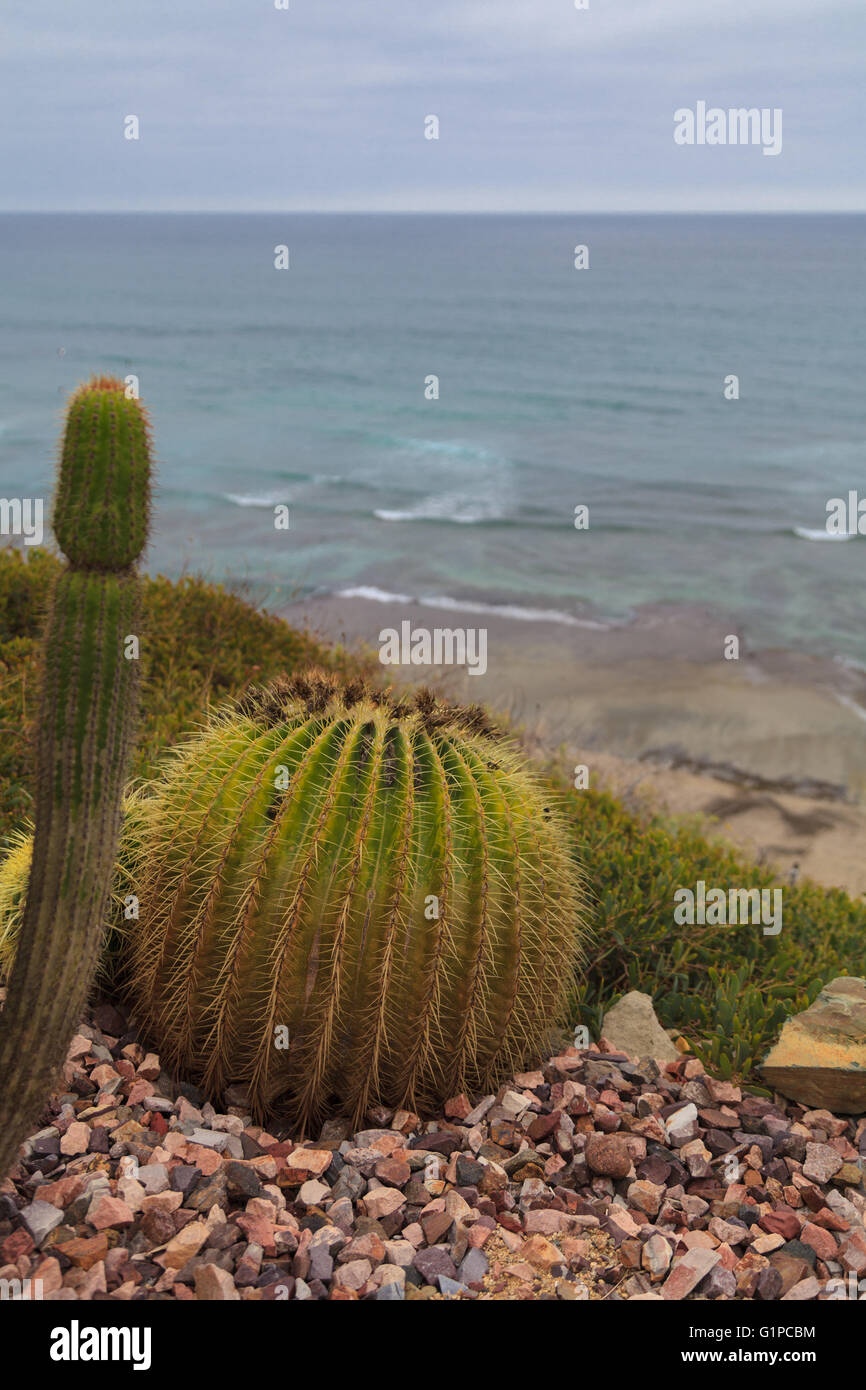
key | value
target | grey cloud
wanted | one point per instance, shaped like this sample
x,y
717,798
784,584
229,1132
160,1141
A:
x,y
541,106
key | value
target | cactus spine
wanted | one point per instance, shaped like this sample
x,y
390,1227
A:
x,y
377,885
88,708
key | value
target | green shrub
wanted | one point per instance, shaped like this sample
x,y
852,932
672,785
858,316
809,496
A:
x,y
728,989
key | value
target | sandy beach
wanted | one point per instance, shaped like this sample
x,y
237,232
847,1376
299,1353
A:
x,y
771,747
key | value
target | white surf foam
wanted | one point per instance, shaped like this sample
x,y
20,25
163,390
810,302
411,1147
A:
x,y
458,605
809,533
243,500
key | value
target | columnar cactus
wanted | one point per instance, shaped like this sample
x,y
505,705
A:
x,y
86,722
347,900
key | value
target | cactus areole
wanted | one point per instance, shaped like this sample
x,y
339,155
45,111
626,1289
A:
x,y
88,709
347,899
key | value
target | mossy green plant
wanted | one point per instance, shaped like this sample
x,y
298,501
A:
x,y
345,900
87,715
728,989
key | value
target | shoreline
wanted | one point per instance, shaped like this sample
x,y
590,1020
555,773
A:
x,y
771,747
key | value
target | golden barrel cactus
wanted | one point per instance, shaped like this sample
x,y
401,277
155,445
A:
x,y
347,899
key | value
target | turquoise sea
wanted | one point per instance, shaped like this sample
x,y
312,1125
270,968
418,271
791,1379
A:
x,y
558,387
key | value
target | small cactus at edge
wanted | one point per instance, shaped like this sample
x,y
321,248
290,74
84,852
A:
x,y
347,899
88,710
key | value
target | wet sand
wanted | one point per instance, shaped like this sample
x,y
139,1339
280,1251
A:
x,y
771,746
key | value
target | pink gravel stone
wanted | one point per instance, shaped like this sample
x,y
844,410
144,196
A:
x,y
821,1241
353,1275
311,1161
688,1272
382,1202
107,1211
184,1246
212,1282
77,1138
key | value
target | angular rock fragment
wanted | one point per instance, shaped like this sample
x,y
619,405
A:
x,y
632,1027
820,1057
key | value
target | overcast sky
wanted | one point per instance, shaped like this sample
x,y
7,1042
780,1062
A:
x,y
541,106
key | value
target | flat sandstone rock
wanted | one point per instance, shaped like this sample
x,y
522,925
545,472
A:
x,y
820,1058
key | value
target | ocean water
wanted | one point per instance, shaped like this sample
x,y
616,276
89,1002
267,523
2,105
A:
x,y
558,387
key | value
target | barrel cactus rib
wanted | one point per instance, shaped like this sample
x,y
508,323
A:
x,y
556,960
230,1023
300,816
327,1002
470,975
530,1009
205,931
175,905
300,936
416,1000
255,934
505,874
372,950
88,709
396,927
186,775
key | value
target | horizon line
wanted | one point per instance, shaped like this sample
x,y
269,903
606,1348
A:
x,y
433,212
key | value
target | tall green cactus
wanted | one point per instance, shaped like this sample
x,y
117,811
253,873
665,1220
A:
x,y
88,709
346,900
